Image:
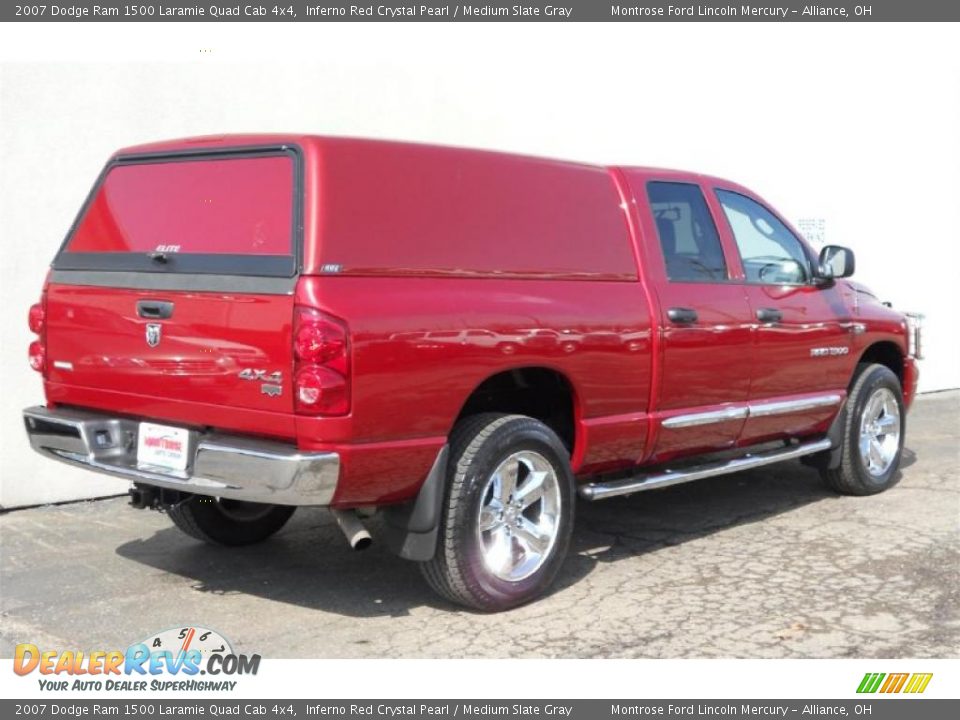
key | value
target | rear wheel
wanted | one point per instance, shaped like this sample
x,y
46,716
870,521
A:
x,y
508,513
872,440
221,521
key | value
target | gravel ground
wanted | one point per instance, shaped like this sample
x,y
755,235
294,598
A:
x,y
762,564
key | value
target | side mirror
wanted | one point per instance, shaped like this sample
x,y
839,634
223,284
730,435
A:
x,y
835,261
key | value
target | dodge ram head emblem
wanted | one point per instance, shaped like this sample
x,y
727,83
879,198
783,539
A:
x,y
153,334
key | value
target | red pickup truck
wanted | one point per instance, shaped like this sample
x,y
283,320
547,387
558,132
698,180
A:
x,y
463,341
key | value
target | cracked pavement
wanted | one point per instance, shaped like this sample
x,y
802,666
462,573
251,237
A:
x,y
762,564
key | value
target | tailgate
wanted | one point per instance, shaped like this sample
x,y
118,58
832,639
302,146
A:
x,y
221,348
176,281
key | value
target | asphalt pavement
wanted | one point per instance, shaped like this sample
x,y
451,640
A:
x,y
767,563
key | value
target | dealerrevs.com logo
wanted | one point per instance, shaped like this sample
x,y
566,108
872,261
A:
x,y
911,683
174,659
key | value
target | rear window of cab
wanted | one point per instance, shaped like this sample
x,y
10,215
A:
x,y
233,214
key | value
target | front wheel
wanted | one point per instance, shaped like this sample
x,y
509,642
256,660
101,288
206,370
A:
x,y
507,516
872,441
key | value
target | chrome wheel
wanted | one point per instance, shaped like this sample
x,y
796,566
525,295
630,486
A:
x,y
519,516
880,432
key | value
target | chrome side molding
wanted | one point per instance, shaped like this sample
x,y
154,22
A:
x,y
666,478
706,418
764,409
754,409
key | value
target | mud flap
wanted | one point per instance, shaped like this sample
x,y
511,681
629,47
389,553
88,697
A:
x,y
831,459
411,528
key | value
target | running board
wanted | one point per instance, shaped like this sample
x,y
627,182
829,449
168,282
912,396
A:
x,y
639,483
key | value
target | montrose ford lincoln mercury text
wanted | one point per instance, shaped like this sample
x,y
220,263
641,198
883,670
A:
x,y
462,341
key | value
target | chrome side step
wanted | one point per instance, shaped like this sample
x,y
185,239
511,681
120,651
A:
x,y
640,483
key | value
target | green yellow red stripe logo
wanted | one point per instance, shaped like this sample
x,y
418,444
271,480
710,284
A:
x,y
913,683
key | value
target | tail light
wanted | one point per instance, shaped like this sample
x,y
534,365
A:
x,y
322,363
37,352
37,356
36,318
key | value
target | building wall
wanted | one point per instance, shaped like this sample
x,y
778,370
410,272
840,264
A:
x,y
855,136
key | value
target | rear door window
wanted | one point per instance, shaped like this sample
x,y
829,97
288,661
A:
x,y
688,237
212,214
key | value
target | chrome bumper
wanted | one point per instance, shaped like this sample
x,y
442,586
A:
x,y
229,466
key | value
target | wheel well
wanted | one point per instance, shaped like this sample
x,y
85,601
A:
x,y
885,353
538,392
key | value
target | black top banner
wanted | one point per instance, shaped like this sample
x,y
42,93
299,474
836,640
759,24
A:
x,y
560,11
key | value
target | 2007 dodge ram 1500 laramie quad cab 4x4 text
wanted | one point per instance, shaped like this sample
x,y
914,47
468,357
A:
x,y
461,340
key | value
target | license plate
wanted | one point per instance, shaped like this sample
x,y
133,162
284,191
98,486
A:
x,y
162,446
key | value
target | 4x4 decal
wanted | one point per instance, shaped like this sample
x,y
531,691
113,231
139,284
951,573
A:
x,y
273,381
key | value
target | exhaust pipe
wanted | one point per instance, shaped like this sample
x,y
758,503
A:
x,y
354,530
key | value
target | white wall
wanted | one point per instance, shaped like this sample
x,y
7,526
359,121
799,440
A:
x,y
855,125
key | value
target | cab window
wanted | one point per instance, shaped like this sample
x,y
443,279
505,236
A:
x,y
771,254
688,237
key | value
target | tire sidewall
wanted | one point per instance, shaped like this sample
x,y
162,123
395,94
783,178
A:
x,y
875,379
226,530
514,436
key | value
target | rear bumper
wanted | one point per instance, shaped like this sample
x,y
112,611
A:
x,y
229,466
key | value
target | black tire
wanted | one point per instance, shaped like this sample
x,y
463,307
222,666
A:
x,y
228,522
478,445
852,476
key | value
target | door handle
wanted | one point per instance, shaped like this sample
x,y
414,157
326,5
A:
x,y
155,309
854,327
769,315
682,316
